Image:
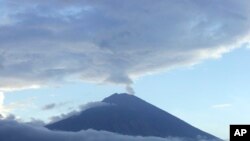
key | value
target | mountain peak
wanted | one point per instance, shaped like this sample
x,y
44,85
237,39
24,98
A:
x,y
125,100
130,115
119,94
117,97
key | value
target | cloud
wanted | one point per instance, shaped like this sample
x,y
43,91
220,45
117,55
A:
x,y
10,117
49,106
93,105
221,106
47,42
6,109
13,131
53,106
1,98
35,122
3,109
78,111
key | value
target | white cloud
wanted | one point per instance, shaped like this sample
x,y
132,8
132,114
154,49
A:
x,y
46,42
221,106
78,111
93,105
3,110
14,131
1,98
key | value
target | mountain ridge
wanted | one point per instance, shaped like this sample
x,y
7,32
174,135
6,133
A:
x,y
130,115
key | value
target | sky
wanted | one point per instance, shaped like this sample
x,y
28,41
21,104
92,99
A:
x,y
188,57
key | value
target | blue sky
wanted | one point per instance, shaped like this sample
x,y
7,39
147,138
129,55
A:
x,y
210,95
58,55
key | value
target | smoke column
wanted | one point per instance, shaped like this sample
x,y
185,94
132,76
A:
x,y
130,90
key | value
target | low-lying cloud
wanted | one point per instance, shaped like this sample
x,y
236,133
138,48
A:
x,y
79,110
46,42
13,131
52,106
49,106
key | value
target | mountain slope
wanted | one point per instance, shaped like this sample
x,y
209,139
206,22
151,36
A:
x,y
129,115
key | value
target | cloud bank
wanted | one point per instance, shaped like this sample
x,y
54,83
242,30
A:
x,y
46,42
78,111
13,131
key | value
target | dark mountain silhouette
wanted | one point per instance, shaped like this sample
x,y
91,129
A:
x,y
129,115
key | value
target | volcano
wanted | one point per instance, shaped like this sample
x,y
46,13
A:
x,y
129,115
